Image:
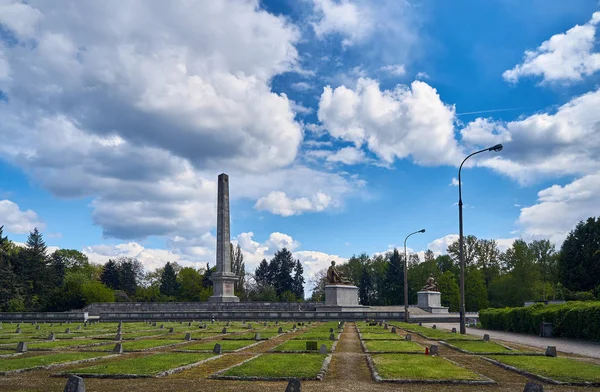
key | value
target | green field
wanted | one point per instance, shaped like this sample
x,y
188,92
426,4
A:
x,y
27,362
137,345
419,367
226,345
300,345
315,335
148,365
398,346
436,334
381,336
480,346
556,368
280,366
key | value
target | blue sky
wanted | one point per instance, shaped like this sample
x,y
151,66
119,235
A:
x,y
340,122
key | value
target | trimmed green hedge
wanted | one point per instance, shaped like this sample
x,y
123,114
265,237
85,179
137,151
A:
x,y
580,320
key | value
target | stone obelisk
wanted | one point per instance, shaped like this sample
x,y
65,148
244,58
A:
x,y
223,279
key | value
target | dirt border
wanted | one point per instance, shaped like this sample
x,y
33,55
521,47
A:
x,y
513,353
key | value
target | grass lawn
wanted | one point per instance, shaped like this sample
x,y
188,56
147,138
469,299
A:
x,y
205,335
436,334
479,346
226,345
300,345
250,336
398,346
315,335
138,345
280,366
147,365
26,362
560,369
62,343
419,367
381,336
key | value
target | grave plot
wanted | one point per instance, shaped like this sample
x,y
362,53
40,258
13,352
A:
x,y
304,346
226,345
434,334
153,365
551,369
392,346
380,336
64,344
275,328
481,347
139,345
251,336
204,335
278,367
406,368
30,362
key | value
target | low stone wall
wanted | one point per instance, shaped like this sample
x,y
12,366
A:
x,y
245,315
43,316
132,307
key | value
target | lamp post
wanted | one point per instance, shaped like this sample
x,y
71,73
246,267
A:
x,y
463,329
406,276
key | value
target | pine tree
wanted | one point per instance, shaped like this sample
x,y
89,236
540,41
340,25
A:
x,y
168,281
280,268
34,268
261,274
365,288
110,275
127,276
394,279
298,287
579,261
206,282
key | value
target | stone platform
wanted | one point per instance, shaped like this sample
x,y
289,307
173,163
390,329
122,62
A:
x,y
341,298
431,301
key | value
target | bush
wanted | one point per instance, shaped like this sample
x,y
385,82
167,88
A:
x,y
579,320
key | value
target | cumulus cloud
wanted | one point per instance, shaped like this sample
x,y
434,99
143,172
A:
x,y
394,124
440,245
563,143
564,57
280,204
560,208
454,182
394,69
343,17
17,221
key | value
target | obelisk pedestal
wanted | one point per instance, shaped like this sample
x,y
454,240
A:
x,y
223,279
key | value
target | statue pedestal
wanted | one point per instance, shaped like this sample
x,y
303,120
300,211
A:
x,y
431,301
340,297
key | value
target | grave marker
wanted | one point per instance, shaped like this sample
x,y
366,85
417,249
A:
x,y
22,347
74,384
408,337
118,348
433,350
217,349
486,337
533,387
551,351
323,349
188,336
294,385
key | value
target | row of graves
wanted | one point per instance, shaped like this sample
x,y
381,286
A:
x,y
272,350
410,353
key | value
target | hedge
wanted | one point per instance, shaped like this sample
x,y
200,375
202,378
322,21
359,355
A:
x,y
579,320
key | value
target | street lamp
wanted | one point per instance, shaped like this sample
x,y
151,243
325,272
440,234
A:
x,y
406,276
463,329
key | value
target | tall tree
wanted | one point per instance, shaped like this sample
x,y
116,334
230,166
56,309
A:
x,y
127,275
190,284
579,261
365,287
281,267
34,268
394,279
476,296
470,244
545,257
450,291
110,275
488,259
238,267
168,281
261,275
298,285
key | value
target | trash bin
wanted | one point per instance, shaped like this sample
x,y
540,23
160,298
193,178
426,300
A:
x,y
545,329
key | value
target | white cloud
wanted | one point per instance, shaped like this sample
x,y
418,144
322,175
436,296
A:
x,y
422,75
17,221
484,132
407,121
302,86
342,17
19,17
395,69
347,155
280,204
566,142
564,57
454,182
440,245
560,208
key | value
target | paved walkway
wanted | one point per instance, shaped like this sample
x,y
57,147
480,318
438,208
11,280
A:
x,y
571,346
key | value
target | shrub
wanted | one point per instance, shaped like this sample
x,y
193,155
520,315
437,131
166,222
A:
x,y
580,320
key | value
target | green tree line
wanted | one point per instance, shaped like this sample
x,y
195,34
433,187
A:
x,y
526,271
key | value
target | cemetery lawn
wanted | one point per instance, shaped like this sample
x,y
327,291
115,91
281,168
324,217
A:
x,y
301,366
419,367
138,345
62,343
250,336
480,346
148,365
556,368
226,345
436,334
27,362
381,336
315,335
398,346
300,345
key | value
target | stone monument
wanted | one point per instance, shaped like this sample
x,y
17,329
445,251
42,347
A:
x,y
340,293
430,298
223,279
